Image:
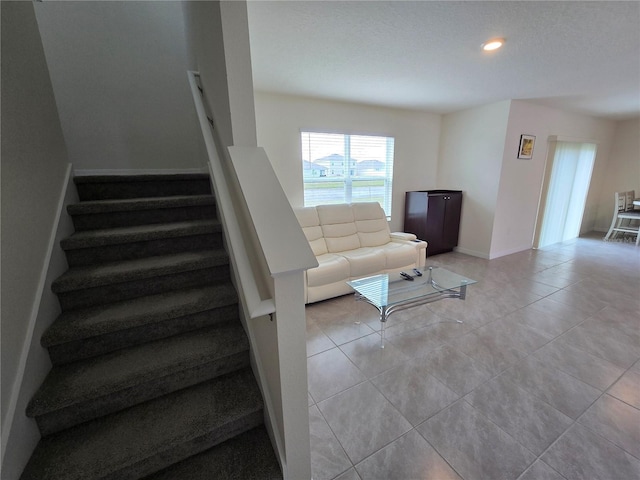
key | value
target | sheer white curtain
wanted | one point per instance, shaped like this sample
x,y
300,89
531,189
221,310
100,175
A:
x,y
567,191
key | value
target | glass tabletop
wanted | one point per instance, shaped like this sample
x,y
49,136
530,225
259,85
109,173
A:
x,y
391,289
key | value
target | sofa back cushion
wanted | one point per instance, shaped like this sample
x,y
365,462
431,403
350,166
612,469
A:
x,y
338,227
308,220
371,224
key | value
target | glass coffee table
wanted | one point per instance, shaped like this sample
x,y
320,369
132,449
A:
x,y
390,293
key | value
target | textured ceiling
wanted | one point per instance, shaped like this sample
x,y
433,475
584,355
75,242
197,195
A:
x,y
581,56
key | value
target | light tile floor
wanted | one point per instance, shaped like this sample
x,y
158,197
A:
x,y
541,381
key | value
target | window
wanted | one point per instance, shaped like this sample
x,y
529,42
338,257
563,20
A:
x,y
340,168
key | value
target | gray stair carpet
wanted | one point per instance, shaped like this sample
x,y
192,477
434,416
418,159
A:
x,y
227,461
79,391
151,363
92,331
153,435
139,211
139,204
111,187
128,243
118,272
91,285
138,233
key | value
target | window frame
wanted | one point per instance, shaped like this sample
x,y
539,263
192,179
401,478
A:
x,y
332,168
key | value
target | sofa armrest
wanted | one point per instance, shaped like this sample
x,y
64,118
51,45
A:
x,y
420,245
403,236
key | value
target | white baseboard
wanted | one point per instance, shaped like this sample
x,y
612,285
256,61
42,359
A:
x,y
467,251
19,433
510,251
137,171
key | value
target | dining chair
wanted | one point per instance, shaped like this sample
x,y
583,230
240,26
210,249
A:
x,y
625,219
631,196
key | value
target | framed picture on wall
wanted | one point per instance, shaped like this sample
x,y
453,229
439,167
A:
x,y
525,151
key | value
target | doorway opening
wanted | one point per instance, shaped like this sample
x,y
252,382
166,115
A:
x,y
564,191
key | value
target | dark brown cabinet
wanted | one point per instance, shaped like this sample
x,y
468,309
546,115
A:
x,y
434,216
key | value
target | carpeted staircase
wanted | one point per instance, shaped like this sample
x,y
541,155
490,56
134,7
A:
x,y
151,375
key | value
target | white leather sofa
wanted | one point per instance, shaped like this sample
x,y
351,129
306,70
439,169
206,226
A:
x,y
352,241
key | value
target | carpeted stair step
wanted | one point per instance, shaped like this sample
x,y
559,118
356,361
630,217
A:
x,y
151,361
83,390
141,211
127,243
151,436
87,286
106,187
248,456
89,332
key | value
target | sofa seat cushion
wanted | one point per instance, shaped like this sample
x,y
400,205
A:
x,y
365,261
399,255
332,268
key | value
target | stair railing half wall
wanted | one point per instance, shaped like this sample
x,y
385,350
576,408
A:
x,y
268,254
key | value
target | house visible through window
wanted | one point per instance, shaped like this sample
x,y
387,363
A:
x,y
340,168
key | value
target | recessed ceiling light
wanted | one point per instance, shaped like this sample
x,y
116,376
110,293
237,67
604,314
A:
x,y
493,44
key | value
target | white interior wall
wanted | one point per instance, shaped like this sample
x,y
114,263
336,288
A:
x,y
521,180
472,147
206,51
118,71
34,164
622,172
235,26
280,118
218,47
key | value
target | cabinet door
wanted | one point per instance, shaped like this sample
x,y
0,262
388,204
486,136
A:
x,y
451,220
435,223
415,214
